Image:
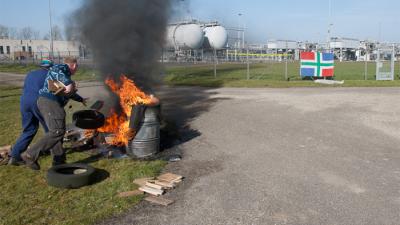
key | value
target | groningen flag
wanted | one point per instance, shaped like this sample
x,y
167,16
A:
x,y
316,64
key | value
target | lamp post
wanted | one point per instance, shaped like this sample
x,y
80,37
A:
x,y
329,27
51,32
238,40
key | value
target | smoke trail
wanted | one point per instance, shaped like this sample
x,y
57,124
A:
x,y
125,36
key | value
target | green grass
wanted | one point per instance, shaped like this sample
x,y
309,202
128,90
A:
x,y
27,199
10,118
271,74
17,68
83,74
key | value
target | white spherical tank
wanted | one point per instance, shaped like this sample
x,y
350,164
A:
x,y
216,37
185,36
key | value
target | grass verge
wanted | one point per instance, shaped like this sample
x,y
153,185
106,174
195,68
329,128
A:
x,y
271,75
83,74
27,199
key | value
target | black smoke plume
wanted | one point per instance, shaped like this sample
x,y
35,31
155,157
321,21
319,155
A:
x,y
125,36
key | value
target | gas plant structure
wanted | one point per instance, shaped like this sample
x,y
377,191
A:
x,y
191,41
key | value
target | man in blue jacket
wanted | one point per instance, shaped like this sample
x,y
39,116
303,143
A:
x,y
51,105
30,114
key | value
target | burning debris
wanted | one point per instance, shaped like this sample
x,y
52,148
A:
x,y
129,66
139,115
77,137
129,96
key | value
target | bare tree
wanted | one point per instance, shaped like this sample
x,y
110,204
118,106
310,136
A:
x,y
36,35
4,32
57,33
46,36
26,33
12,33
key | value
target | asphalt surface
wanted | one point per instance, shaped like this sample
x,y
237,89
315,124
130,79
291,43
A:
x,y
298,156
282,156
12,79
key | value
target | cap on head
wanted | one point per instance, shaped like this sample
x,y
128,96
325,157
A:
x,y
46,63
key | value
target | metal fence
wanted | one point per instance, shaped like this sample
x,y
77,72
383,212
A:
x,y
230,65
30,57
271,67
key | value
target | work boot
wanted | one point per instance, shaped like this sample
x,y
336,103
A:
x,y
59,160
30,162
57,163
15,162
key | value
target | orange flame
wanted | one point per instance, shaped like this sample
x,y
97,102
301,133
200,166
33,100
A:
x,y
118,124
89,133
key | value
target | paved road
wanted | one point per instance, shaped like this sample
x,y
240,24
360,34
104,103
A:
x,y
12,79
283,156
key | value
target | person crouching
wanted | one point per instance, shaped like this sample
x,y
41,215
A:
x,y
51,105
30,113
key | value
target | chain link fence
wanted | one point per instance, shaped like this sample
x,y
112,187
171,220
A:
x,y
26,57
225,64
241,65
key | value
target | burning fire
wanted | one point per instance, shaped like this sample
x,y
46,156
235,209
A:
x,y
89,133
118,124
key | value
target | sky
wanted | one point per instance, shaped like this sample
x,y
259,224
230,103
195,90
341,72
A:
x,y
263,19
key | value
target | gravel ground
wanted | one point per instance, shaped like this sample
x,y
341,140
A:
x,y
282,156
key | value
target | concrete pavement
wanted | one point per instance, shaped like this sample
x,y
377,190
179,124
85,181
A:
x,y
283,156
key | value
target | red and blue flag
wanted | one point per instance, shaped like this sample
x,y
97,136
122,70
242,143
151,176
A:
x,y
316,64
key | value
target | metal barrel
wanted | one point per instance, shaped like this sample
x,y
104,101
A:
x,y
147,140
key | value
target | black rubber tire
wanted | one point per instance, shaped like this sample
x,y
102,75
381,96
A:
x,y
62,176
88,119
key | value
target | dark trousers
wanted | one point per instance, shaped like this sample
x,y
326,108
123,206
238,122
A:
x,y
31,118
54,116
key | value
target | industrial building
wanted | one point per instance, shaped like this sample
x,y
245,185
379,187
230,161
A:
x,y
11,49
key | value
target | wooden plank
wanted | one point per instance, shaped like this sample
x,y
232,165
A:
x,y
142,181
130,193
56,86
153,185
151,191
159,200
164,184
169,177
177,181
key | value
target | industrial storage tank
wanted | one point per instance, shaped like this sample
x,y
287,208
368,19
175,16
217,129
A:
x,y
216,37
185,36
